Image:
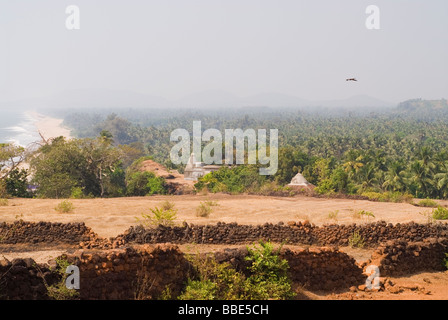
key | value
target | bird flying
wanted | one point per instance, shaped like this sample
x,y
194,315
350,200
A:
x,y
351,79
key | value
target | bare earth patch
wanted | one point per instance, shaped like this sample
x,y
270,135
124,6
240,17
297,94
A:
x,y
111,217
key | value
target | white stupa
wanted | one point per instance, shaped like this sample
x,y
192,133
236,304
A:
x,y
299,181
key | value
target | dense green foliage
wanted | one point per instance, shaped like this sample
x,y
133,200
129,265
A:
x,y
89,164
387,155
164,216
144,183
12,180
17,183
395,151
267,278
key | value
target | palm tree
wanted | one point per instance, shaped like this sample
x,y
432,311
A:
x,y
367,177
425,156
442,181
419,175
394,177
354,163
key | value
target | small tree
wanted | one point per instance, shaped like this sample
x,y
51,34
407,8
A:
x,y
269,278
159,217
144,183
17,183
11,156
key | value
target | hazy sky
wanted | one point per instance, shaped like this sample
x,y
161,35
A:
x,y
173,48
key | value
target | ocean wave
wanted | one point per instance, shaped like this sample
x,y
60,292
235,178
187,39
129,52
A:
x,y
17,129
23,132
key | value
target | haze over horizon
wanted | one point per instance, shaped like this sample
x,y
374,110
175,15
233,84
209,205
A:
x,y
198,51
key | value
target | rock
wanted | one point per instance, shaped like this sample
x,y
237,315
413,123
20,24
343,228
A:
x,y
362,287
394,289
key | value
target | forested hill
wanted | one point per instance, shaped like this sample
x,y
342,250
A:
x,y
423,105
400,149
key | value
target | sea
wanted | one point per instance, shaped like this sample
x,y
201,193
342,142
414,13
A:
x,y
18,126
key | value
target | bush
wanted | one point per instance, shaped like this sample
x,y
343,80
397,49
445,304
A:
x,y
234,180
400,197
3,192
213,280
199,290
356,240
388,196
427,203
440,213
3,202
17,184
375,196
267,278
333,215
59,291
64,207
272,188
158,217
144,183
77,193
360,214
205,208
167,205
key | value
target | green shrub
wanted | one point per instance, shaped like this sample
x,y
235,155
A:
x,y
427,203
272,188
333,215
204,209
360,214
77,193
144,183
199,290
388,196
267,277
213,280
356,240
440,213
158,217
400,197
64,207
59,291
211,203
17,183
375,196
167,205
446,260
3,191
228,284
233,180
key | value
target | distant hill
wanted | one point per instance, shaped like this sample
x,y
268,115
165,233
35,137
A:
x,y
422,105
111,99
356,101
223,99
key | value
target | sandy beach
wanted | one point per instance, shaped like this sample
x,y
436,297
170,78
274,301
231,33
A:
x,y
50,127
